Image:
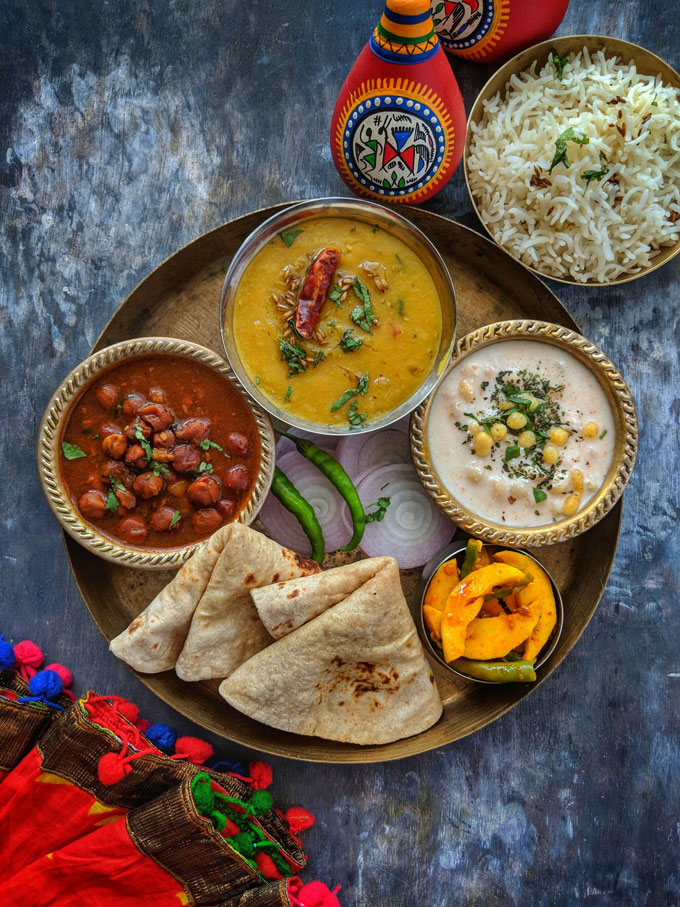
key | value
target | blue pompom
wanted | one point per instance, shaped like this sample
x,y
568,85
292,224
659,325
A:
x,y
237,768
161,735
47,684
7,659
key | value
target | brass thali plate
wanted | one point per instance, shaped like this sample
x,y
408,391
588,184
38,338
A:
x,y
181,299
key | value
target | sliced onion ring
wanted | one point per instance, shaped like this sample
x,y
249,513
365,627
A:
x,y
413,529
328,505
361,453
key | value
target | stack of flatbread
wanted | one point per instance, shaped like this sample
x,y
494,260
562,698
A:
x,y
333,654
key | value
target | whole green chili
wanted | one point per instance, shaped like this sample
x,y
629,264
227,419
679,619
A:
x,y
497,671
337,476
302,510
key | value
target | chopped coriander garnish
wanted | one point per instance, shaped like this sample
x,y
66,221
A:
x,y
361,388
111,501
176,517
512,452
317,359
485,384
400,306
349,342
331,324
72,451
159,469
539,495
257,379
355,417
335,294
569,135
362,315
559,63
139,434
590,175
288,236
288,393
116,484
95,436
206,467
375,229
603,434
377,516
294,355
206,444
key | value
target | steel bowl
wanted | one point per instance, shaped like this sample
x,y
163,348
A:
x,y
625,421
368,212
646,63
56,416
457,551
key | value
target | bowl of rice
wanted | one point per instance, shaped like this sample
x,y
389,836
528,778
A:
x,y
572,159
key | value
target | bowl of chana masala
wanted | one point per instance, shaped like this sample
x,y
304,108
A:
x,y
338,316
148,447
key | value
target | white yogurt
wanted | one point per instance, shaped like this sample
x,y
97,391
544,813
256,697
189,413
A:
x,y
522,489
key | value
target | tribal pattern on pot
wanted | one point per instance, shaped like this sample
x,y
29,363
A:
x,y
470,28
394,139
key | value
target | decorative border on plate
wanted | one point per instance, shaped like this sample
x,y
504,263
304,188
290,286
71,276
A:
x,y
626,443
57,412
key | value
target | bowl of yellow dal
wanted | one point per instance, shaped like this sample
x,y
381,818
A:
x,y
338,316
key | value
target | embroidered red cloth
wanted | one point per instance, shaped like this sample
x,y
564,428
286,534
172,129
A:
x,y
70,839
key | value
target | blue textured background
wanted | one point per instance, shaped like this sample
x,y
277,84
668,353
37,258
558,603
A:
x,y
127,129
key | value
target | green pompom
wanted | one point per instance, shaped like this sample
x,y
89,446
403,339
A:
x,y
244,842
204,798
260,802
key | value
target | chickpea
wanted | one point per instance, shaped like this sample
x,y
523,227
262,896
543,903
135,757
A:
x,y
577,480
550,454
474,428
498,431
590,430
467,389
571,504
505,404
516,421
534,404
526,439
483,444
558,436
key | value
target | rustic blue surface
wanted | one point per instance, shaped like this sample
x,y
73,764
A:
x,y
130,127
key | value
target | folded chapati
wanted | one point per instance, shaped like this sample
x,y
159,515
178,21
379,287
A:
x,y
356,673
204,622
283,607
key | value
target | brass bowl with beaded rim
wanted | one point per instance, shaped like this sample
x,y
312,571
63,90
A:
x,y
625,422
646,63
58,411
456,551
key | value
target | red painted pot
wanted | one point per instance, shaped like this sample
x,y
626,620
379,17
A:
x,y
493,30
398,128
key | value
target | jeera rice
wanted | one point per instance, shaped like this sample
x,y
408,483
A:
x,y
579,176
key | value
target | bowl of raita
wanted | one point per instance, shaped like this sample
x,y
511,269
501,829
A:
x,y
530,436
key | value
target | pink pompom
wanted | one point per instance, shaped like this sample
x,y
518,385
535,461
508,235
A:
x,y
63,672
142,725
316,894
194,749
261,775
29,657
298,819
111,769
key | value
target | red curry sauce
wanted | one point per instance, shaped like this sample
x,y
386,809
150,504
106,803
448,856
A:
x,y
204,446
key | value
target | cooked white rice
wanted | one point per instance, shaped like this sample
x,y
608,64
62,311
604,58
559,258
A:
x,y
560,224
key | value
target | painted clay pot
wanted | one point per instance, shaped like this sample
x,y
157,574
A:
x,y
492,30
398,128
